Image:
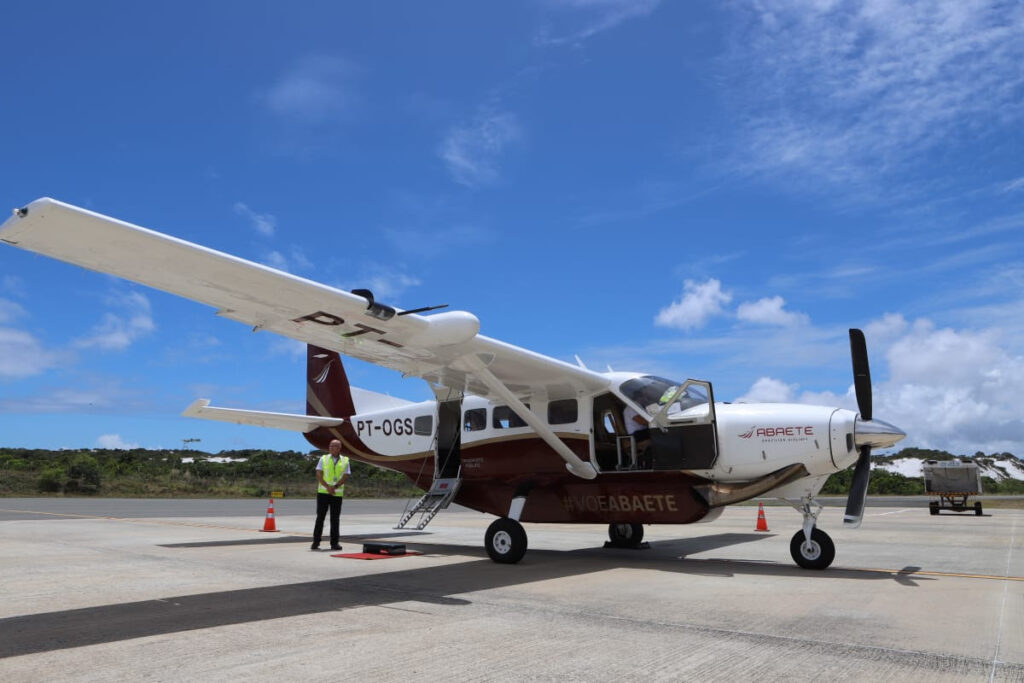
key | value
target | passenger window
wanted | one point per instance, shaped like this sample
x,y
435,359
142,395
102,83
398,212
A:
x,y
505,418
475,419
562,412
609,422
423,425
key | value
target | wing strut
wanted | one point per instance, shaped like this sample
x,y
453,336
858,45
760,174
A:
x,y
578,467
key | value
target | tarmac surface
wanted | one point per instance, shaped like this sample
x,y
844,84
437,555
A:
x,y
101,589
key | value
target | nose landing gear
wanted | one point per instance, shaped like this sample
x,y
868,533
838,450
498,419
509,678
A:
x,y
811,547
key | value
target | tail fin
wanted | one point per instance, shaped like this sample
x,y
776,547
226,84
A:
x,y
327,390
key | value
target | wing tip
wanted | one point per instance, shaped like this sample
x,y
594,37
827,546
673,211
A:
x,y
195,407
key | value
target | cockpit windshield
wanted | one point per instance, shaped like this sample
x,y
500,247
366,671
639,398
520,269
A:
x,y
652,393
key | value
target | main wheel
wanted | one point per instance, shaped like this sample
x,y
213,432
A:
x,y
933,508
817,553
977,508
626,535
505,541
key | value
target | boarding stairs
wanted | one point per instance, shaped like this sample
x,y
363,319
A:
x,y
441,494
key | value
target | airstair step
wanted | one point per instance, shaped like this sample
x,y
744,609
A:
x,y
439,497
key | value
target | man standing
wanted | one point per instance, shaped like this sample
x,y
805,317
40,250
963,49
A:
x,y
332,471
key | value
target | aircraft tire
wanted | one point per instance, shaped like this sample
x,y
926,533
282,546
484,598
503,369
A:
x,y
626,535
977,508
818,554
505,541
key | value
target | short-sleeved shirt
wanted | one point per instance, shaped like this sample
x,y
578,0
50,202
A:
x,y
628,415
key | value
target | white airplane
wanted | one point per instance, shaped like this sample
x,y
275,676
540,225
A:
x,y
513,433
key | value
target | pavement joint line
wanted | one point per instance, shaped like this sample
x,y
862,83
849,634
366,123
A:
x,y
1002,606
130,520
957,575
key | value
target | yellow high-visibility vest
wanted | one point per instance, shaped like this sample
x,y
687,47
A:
x,y
333,473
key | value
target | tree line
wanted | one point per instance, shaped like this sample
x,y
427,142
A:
x,y
256,472
143,472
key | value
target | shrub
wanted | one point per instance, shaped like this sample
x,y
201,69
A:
x,y
51,479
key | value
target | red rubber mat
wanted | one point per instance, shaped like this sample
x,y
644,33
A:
x,y
373,556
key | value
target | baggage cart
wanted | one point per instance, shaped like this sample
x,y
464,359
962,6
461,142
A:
x,y
952,483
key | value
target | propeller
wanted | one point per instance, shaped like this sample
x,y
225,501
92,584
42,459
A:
x,y
862,472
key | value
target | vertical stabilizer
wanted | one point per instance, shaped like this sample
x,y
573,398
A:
x,y
327,389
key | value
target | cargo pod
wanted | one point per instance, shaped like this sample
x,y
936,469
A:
x,y
682,434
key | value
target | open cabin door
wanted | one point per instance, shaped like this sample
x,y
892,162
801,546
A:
x,y
685,438
448,460
676,431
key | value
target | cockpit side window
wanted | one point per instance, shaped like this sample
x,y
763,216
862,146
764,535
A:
x,y
650,392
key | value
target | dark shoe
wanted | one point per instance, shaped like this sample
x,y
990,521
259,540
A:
x,y
315,546
335,547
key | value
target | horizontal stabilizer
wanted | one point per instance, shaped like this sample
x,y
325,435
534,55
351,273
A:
x,y
296,423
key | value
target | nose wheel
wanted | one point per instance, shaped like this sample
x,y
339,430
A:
x,y
816,552
811,547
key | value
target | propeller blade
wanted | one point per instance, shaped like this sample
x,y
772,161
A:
x,y
861,373
858,490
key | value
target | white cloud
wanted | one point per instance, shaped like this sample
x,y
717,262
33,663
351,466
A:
x,y
21,354
263,223
13,284
114,441
769,390
1014,185
9,311
386,282
118,332
65,401
294,260
957,390
292,348
472,151
850,91
317,90
597,16
770,311
699,302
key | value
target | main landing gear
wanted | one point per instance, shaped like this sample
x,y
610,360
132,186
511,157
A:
x,y
811,547
625,535
505,539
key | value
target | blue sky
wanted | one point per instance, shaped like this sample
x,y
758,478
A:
x,y
711,190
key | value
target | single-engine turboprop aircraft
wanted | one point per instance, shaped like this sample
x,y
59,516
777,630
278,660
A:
x,y
513,433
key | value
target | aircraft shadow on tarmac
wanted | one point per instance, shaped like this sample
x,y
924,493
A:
x,y
435,585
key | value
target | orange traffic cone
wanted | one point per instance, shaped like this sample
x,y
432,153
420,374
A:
x,y
269,524
762,523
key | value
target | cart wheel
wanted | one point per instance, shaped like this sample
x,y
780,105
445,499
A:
x,y
977,508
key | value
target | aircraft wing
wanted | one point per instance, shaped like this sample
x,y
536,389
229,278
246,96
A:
x,y
434,347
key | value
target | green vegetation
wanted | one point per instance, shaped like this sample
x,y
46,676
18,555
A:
x,y
180,473
885,483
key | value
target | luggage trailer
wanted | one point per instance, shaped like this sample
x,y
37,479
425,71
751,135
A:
x,y
952,482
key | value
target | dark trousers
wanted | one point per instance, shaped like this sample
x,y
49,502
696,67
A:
x,y
325,501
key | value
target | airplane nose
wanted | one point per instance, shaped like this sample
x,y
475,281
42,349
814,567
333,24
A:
x,y
876,434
